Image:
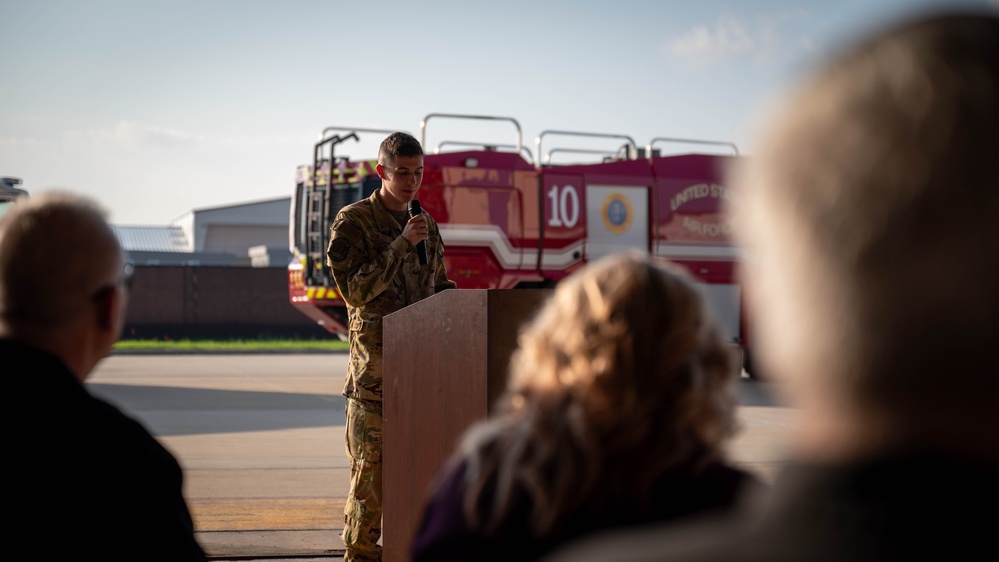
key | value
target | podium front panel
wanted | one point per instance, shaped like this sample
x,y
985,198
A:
x,y
445,363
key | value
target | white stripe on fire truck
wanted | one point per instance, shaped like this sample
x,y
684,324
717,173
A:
x,y
472,235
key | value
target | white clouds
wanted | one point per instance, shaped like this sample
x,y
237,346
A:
x,y
728,36
143,135
129,134
147,174
137,136
759,39
808,44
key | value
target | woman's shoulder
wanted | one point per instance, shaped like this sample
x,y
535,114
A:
x,y
727,478
717,485
443,520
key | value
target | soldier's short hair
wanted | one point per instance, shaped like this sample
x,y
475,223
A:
x,y
399,144
870,212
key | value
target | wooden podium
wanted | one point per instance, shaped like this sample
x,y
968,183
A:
x,y
445,364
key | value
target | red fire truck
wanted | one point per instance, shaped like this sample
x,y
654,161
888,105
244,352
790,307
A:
x,y
511,218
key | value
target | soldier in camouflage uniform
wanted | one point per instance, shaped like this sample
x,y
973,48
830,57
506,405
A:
x,y
372,253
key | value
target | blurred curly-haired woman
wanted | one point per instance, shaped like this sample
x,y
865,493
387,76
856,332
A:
x,y
616,413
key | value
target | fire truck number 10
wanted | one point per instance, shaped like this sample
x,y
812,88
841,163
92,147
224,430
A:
x,y
565,206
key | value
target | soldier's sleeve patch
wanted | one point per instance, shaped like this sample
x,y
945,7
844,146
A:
x,y
338,249
348,230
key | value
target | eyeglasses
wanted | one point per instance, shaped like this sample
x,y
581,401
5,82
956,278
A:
x,y
125,280
418,173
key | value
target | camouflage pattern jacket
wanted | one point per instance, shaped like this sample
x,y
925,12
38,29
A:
x,y
378,272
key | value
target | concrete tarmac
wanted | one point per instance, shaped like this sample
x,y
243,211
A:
x,y
261,441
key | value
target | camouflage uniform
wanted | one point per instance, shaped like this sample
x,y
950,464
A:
x,y
377,272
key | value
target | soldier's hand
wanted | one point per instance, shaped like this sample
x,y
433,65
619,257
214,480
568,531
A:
x,y
416,230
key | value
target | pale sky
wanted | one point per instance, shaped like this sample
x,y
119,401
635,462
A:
x,y
159,107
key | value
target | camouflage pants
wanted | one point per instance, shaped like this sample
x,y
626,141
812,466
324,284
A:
x,y
362,523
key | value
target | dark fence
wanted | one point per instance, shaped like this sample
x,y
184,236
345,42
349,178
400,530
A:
x,y
177,302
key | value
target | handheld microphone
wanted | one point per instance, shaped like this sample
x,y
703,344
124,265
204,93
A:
x,y
421,248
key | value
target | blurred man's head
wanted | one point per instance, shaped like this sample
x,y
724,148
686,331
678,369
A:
x,y
61,278
870,210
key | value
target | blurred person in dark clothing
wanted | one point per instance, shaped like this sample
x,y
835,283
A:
x,y
617,409
87,481
870,213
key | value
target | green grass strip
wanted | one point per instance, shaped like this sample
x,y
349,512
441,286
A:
x,y
237,345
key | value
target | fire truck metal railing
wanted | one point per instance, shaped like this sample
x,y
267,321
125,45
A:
x,y
423,125
648,147
632,150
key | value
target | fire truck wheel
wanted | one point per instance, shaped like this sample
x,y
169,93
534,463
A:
x,y
748,367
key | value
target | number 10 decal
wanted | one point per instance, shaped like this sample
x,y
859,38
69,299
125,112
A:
x,y
565,206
